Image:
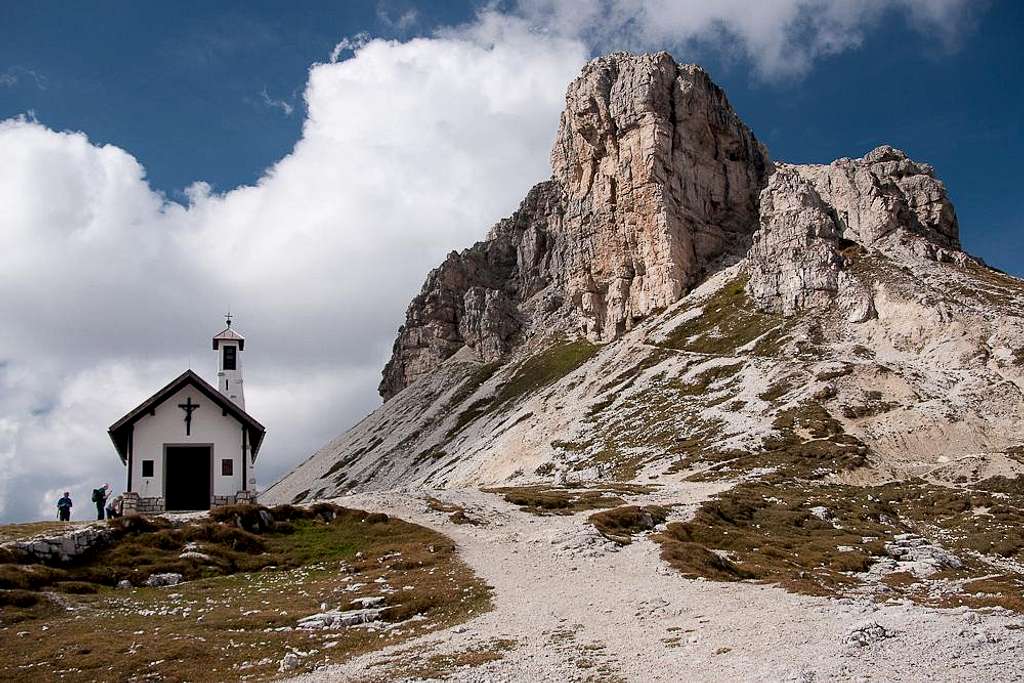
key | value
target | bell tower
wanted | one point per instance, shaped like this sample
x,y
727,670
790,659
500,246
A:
x,y
229,345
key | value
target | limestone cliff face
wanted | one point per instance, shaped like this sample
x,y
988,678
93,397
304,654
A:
x,y
655,179
472,298
809,214
659,179
657,184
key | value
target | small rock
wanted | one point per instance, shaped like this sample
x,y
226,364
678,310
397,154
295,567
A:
x,y
926,557
866,634
194,555
821,512
124,584
266,520
371,601
165,579
334,619
289,662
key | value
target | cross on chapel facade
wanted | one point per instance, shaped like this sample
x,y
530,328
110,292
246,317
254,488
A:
x,y
188,407
192,446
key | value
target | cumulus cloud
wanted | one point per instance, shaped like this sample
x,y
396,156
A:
x,y
408,150
108,289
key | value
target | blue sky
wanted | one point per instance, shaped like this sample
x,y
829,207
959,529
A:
x,y
184,87
162,163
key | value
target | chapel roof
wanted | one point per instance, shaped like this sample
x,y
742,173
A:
x,y
120,431
229,334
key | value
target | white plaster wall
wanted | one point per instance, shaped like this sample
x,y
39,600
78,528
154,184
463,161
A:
x,y
167,426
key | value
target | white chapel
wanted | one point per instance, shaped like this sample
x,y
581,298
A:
x,y
192,446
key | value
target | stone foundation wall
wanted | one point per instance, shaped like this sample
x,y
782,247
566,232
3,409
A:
x,y
135,504
246,497
150,506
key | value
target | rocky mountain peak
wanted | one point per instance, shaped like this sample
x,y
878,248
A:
x,y
657,184
659,179
674,312
810,215
655,180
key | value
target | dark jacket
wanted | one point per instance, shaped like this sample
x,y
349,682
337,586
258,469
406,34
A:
x,y
64,502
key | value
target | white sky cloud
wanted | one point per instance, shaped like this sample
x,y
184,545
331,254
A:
x,y
408,150
108,290
286,107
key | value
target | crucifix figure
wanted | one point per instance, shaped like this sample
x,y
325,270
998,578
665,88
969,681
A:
x,y
188,406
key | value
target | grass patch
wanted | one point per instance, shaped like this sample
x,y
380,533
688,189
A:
x,y
534,373
836,373
546,368
759,531
776,391
17,532
700,384
440,666
872,405
548,500
728,321
808,443
456,513
768,531
229,620
622,523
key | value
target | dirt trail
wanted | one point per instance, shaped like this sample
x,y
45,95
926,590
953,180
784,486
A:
x,y
581,609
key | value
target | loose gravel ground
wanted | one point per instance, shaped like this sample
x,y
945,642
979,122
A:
x,y
580,608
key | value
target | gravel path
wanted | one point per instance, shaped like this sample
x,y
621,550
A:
x,y
579,608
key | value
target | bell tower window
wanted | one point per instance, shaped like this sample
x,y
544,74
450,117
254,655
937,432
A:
x,y
230,357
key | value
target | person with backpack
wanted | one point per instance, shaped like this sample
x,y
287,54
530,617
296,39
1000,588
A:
x,y
99,496
116,508
64,508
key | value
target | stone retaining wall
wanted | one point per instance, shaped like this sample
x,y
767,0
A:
x,y
133,503
62,548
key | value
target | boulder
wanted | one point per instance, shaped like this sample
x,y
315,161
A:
x,y
164,579
922,556
289,662
867,634
340,619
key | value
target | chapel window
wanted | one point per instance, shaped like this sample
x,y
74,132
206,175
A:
x,y
230,356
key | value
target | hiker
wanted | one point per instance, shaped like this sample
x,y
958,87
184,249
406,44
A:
x,y
115,508
99,496
64,508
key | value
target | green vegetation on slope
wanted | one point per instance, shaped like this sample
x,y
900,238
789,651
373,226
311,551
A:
x,y
536,372
541,499
768,530
236,616
728,321
622,523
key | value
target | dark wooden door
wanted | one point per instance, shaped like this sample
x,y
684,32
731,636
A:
x,y
187,478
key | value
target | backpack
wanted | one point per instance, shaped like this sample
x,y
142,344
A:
x,y
97,495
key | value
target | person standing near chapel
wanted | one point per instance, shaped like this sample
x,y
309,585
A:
x,y
99,496
64,508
